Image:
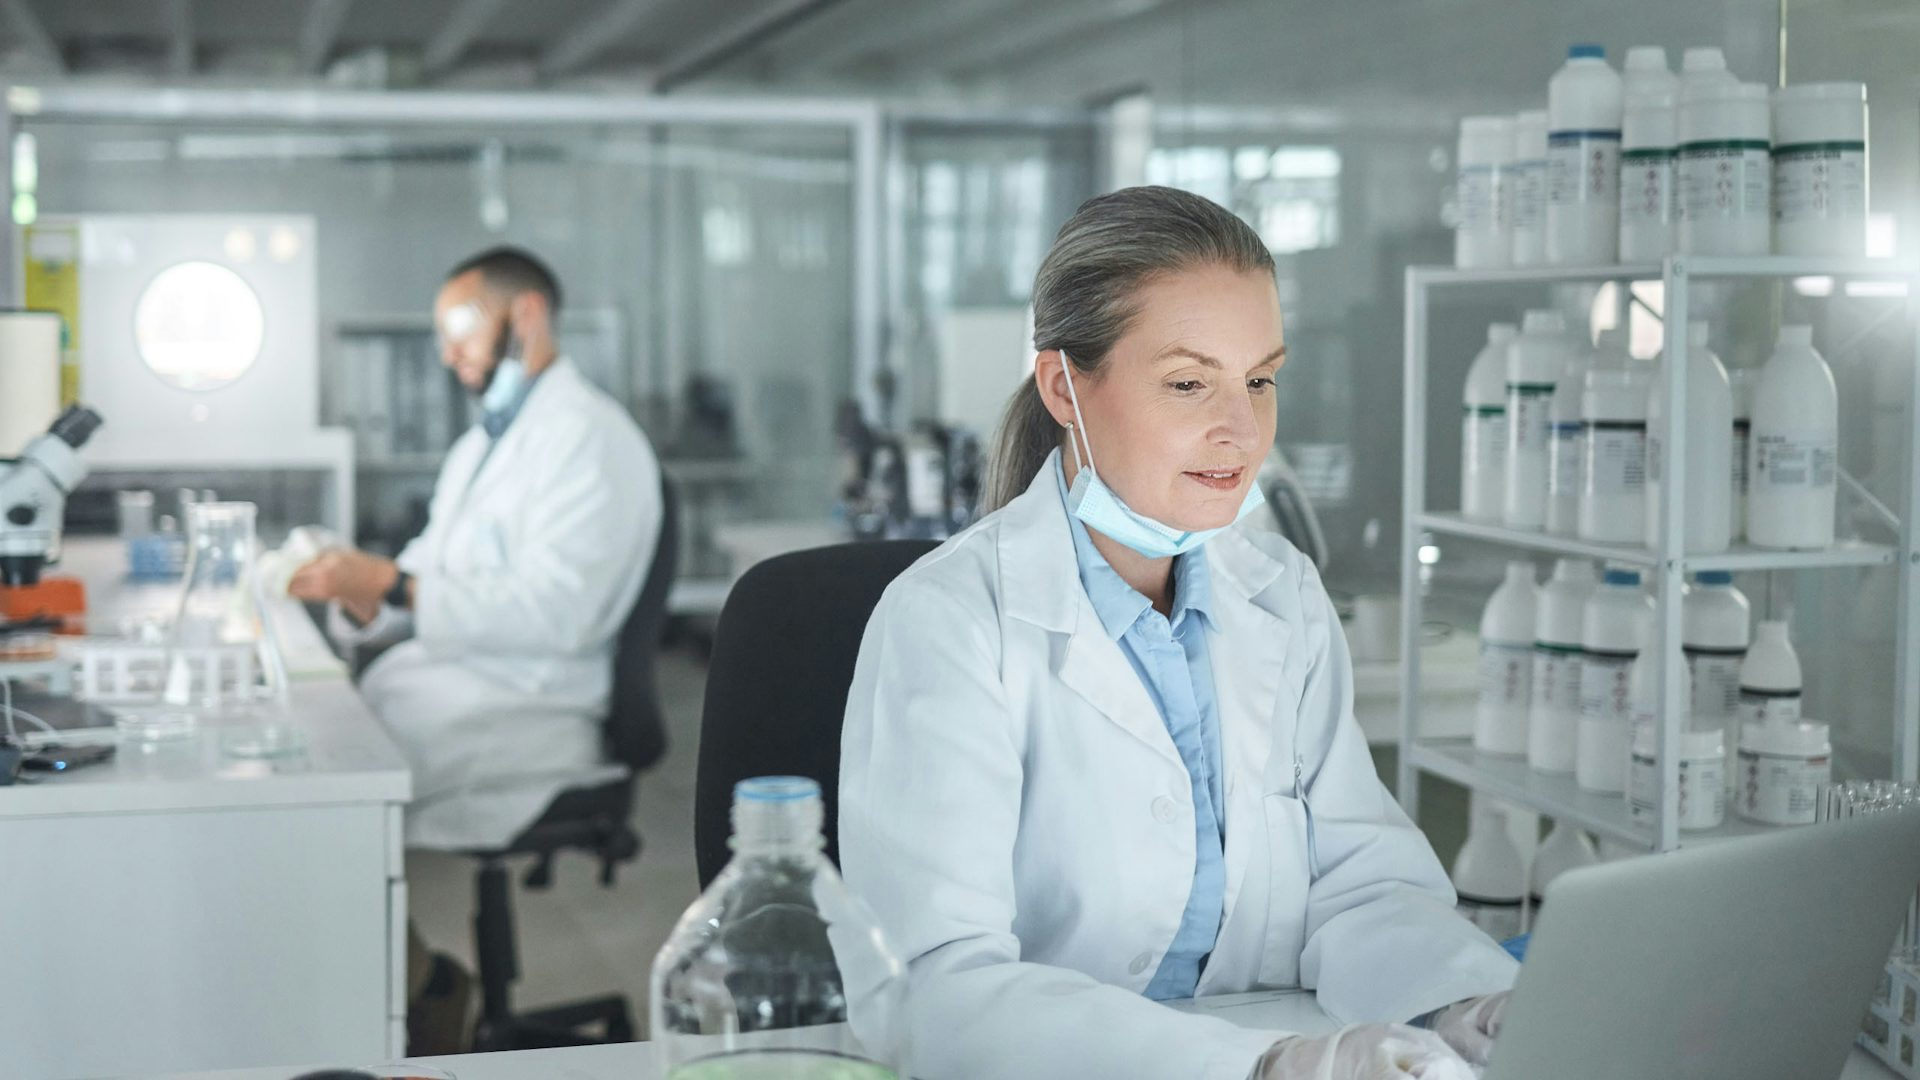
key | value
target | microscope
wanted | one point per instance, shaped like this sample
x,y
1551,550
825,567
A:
x,y
33,497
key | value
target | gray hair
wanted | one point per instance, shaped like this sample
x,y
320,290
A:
x,y
1086,296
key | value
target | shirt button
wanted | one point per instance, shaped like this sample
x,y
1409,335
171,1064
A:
x,y
1165,811
1140,963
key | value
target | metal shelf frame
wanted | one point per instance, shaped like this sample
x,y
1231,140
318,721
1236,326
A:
x,y
1668,565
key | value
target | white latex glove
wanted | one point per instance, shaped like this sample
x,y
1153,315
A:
x,y
1365,1052
1470,1026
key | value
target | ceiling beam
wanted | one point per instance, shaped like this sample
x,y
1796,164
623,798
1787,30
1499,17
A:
x,y
737,40
319,31
179,19
26,26
449,43
593,36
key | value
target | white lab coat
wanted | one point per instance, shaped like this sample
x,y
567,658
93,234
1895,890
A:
x,y
1014,811
524,574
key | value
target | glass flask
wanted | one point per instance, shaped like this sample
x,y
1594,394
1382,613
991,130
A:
x,y
223,663
761,976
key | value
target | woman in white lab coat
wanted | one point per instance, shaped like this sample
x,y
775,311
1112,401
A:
x,y
1100,748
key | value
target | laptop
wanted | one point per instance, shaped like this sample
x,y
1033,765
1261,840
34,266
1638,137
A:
x,y
1744,959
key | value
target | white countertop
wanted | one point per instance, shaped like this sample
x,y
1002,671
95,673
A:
x,y
1282,1011
348,757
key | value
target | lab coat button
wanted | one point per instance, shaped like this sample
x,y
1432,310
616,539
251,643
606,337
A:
x,y
1165,810
1140,963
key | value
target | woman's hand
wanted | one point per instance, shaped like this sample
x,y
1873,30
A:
x,y
1364,1052
1470,1026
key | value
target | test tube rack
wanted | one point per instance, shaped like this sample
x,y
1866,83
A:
x,y
1891,1028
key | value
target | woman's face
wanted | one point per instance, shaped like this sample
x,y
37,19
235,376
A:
x,y
1182,413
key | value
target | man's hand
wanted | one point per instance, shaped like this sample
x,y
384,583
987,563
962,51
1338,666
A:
x,y
359,581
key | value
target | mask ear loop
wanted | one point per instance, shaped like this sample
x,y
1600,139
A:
x,y
1066,368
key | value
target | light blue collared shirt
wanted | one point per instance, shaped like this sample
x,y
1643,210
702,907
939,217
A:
x,y
1170,656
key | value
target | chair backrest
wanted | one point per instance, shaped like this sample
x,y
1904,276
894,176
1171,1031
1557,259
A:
x,y
783,657
636,733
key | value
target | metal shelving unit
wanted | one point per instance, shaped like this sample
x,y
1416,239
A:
x,y
1558,796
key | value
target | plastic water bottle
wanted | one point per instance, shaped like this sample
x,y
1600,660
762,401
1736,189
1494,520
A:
x,y
762,975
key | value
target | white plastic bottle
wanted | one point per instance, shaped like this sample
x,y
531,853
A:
x,y
1483,430
1584,100
1566,448
1613,418
1820,169
1534,363
1565,848
1553,716
1489,875
1770,676
1725,174
1743,381
1793,455
1704,65
1528,202
1715,632
1703,756
1709,494
1647,138
1506,664
1613,631
1483,238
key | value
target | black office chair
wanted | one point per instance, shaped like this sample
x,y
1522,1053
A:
x,y
594,821
783,658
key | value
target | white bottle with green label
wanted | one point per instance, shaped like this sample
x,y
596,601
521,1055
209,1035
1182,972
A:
x,y
1535,361
1527,188
1743,380
1613,417
1770,685
1725,173
1583,160
1483,430
1566,450
1483,236
1647,138
1708,505
1506,664
1716,630
1820,169
1794,447
1553,716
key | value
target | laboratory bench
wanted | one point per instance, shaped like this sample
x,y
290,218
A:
x,y
177,909
1283,1010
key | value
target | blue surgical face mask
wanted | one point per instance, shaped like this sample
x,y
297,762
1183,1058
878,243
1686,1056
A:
x,y
1100,509
504,387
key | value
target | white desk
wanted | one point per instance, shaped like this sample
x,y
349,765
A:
x,y
175,909
634,1061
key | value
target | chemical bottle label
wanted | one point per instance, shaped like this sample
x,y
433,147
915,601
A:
x,y
1780,790
1583,167
1763,706
1527,202
1646,186
1725,180
1565,459
1485,437
1616,457
1655,458
1716,684
1556,679
1603,686
1794,460
1819,181
1505,675
1530,411
1482,195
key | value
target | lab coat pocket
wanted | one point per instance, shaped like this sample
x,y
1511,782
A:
x,y
1290,873
482,546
